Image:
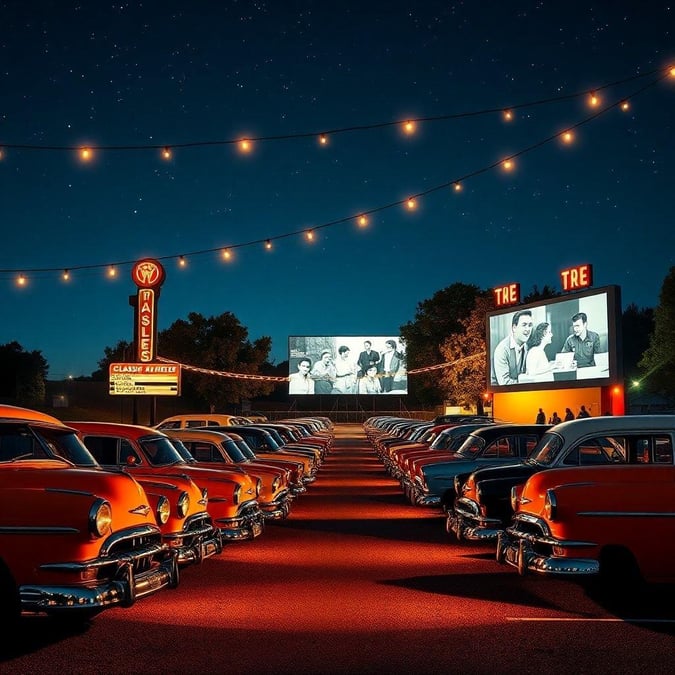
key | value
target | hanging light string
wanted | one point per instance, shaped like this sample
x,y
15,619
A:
x,y
167,147
112,267
274,378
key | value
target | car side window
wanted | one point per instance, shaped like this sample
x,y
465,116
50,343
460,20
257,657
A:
x,y
127,453
527,445
195,423
104,449
501,447
663,450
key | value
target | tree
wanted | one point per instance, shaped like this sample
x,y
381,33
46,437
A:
x,y
436,319
122,352
636,327
216,344
658,361
465,380
22,374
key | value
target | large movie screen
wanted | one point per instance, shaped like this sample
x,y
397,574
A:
x,y
570,341
347,365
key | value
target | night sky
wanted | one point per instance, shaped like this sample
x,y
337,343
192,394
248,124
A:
x,y
130,76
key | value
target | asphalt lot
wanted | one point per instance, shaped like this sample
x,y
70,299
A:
x,y
357,581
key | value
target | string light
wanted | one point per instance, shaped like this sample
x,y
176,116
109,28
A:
x,y
625,105
593,100
507,115
227,254
411,202
181,261
2,153
409,127
362,220
323,139
245,145
86,154
567,137
66,275
166,153
21,280
309,235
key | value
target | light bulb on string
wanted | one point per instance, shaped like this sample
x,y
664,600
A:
x,y
508,164
593,100
309,235
181,261
362,220
409,127
112,271
227,254
625,106
66,275
21,280
323,139
411,203
507,115
268,245
457,187
86,154
245,146
567,137
166,153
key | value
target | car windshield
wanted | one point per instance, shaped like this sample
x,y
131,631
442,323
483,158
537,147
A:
x,y
21,441
244,448
231,449
471,447
159,451
547,450
184,453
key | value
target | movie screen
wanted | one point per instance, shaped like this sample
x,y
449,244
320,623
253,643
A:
x,y
570,341
347,365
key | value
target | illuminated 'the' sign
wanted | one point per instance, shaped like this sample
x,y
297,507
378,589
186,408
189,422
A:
x,y
507,295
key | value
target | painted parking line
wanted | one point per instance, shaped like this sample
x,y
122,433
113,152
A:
x,y
587,620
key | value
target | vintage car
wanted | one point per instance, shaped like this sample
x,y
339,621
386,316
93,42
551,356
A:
x,y
482,507
188,421
232,494
615,522
74,539
179,503
431,483
208,446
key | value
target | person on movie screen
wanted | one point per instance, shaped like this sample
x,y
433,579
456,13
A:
x,y
390,362
368,357
536,361
345,372
323,373
301,382
370,382
583,342
509,356
569,415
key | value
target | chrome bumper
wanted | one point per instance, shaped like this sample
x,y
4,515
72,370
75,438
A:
x,y
519,553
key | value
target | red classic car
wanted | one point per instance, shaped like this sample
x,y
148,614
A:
x,y
615,521
232,495
74,538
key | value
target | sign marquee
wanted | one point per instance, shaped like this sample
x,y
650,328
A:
x,y
144,378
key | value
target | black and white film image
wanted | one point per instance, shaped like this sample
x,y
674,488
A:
x,y
347,365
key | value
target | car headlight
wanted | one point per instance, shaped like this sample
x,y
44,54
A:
x,y
100,518
163,510
183,504
550,505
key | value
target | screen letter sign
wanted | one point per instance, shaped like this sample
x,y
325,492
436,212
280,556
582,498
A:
x,y
148,275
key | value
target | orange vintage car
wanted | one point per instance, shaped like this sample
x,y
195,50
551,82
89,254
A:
x,y
615,522
215,448
179,504
74,539
232,494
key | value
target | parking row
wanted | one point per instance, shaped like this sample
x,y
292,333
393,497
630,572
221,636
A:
x,y
100,514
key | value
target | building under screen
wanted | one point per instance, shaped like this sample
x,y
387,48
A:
x,y
347,365
568,341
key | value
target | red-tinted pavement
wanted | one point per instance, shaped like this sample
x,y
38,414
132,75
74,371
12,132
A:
x,y
355,581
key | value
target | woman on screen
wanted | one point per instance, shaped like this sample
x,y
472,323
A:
x,y
536,361
370,382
